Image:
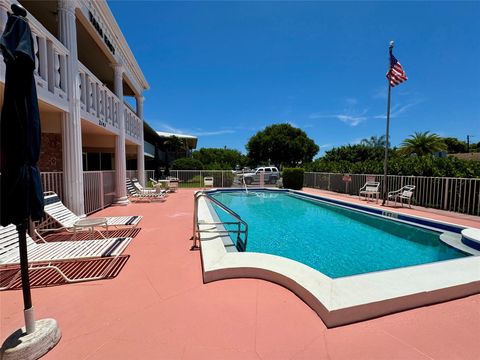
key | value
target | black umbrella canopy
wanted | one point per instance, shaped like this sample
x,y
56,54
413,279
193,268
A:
x,y
20,134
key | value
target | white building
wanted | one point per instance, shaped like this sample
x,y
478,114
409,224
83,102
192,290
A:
x,y
84,72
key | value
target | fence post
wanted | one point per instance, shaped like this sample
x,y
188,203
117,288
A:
x,y
445,200
223,185
201,179
102,191
328,181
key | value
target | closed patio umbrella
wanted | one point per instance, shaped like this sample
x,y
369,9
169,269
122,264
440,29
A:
x,y
21,189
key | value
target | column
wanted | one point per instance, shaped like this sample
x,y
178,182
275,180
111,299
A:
x,y
71,123
140,148
120,157
4,7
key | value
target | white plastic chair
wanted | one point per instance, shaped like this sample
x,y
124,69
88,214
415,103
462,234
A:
x,y
402,195
208,181
370,189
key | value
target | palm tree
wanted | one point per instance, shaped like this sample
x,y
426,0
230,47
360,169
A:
x,y
422,143
374,141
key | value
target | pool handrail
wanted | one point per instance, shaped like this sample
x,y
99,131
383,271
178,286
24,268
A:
x,y
196,228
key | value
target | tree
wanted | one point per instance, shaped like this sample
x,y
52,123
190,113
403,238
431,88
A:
x,y
281,144
455,146
356,153
187,164
172,144
374,141
219,158
422,144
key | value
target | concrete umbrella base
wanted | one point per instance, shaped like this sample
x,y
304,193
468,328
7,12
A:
x,y
21,345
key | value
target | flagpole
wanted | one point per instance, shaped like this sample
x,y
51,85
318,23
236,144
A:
x,y
385,161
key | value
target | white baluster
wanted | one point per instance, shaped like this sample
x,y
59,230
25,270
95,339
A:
x,y
35,51
90,94
83,93
63,73
57,69
50,66
42,57
100,102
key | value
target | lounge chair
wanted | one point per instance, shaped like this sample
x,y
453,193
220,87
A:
x,y
170,184
135,195
402,195
208,181
370,189
57,211
143,190
47,255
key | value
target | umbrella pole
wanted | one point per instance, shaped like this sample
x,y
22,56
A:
x,y
27,297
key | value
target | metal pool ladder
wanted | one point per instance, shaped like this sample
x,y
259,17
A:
x,y
241,244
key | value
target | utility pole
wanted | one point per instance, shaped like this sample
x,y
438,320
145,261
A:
x,y
468,142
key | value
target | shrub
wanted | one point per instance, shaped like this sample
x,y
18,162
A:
x,y
407,166
293,178
186,164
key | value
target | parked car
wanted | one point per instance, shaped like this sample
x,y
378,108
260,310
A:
x,y
270,175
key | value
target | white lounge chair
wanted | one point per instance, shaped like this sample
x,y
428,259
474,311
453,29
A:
x,y
144,190
47,255
57,211
171,185
370,189
208,181
135,195
402,195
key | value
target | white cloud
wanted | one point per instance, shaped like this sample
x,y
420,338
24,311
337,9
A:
x,y
212,133
350,115
350,119
196,132
398,109
347,117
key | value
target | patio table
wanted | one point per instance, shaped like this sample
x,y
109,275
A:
x,y
90,223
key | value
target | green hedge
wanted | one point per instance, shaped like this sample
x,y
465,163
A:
x,y
407,166
293,178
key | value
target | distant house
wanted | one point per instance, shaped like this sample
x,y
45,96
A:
x,y
467,156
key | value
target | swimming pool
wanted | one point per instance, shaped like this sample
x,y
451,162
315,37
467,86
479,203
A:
x,y
333,240
432,273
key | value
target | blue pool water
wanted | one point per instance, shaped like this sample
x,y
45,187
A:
x,y
336,241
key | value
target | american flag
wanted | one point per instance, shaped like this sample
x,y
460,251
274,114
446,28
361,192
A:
x,y
396,75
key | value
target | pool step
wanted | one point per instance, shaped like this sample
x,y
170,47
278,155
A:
x,y
455,241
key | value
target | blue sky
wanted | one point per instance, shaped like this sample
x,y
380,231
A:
x,y
225,70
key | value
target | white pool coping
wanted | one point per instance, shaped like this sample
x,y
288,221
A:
x,y
343,300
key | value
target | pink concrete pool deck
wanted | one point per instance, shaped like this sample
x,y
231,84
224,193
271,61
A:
x,y
159,308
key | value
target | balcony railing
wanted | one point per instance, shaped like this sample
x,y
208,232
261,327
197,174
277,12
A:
x,y
97,101
133,124
50,61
